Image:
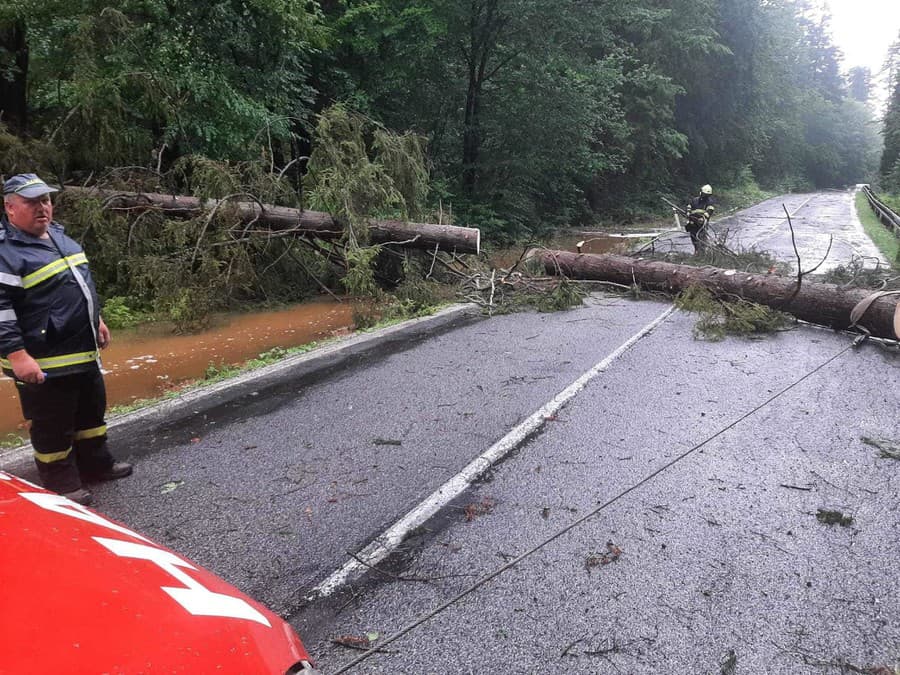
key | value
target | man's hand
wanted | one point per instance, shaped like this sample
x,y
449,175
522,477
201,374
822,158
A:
x,y
103,336
25,368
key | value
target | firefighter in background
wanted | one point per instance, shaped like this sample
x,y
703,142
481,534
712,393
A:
x,y
699,211
50,334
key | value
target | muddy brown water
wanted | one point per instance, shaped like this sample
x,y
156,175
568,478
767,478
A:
x,y
147,362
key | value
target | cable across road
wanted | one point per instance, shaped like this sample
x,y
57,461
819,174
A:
x,y
512,563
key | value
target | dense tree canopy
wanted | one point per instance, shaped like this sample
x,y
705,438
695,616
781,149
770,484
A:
x,y
890,158
535,113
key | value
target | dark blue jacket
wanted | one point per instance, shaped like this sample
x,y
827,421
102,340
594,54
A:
x,y
44,307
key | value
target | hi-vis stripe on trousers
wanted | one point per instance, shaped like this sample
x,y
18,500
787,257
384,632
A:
x,y
68,430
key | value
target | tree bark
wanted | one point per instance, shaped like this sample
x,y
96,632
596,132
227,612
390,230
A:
x,y
819,303
427,236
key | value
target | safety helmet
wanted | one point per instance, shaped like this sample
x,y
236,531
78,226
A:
x,y
706,190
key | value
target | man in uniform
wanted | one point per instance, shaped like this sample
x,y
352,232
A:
x,y
50,333
699,211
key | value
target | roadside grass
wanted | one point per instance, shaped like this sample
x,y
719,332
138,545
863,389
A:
x,y
11,441
892,201
884,239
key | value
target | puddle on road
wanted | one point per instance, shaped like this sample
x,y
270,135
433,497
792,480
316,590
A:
x,y
149,361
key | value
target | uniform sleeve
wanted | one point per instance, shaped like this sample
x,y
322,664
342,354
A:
x,y
10,288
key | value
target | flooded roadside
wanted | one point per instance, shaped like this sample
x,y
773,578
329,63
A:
x,y
148,361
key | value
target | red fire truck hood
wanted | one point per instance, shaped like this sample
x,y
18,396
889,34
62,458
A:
x,y
83,594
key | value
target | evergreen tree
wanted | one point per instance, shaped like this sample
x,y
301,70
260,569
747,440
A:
x,y
890,157
860,82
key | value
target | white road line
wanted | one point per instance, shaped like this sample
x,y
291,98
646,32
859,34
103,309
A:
x,y
390,539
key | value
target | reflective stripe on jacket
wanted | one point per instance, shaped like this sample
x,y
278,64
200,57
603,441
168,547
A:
x,y
43,307
700,209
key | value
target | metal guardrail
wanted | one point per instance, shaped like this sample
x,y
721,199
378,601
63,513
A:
x,y
887,217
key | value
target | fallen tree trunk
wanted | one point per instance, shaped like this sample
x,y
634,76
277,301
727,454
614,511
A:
x,y
311,223
824,304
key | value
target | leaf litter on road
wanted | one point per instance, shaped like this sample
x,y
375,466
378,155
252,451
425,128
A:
x,y
611,555
171,486
475,509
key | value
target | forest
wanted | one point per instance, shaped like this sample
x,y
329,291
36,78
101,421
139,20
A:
x,y
513,116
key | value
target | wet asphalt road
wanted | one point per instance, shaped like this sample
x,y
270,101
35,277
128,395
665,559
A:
x,y
825,226
721,551
719,556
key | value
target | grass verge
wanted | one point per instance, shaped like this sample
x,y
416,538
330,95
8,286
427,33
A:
x,y
884,239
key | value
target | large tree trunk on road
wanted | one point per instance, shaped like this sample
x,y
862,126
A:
x,y
824,304
313,223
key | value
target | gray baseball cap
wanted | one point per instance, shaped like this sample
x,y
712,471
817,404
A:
x,y
27,185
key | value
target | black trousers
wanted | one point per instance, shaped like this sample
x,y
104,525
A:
x,y
699,236
68,429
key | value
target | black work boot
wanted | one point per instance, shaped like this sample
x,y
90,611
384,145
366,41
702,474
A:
x,y
115,472
79,496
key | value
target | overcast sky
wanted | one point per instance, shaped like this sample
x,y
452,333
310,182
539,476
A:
x,y
864,29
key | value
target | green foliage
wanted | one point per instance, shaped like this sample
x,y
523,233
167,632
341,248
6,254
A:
x,y
742,193
183,269
360,277
565,295
12,441
117,313
360,170
416,295
719,318
858,275
537,114
113,85
219,371
721,256
365,316
890,157
216,372
544,114
189,308
404,158
24,155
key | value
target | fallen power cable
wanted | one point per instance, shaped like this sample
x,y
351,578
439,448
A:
x,y
512,563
